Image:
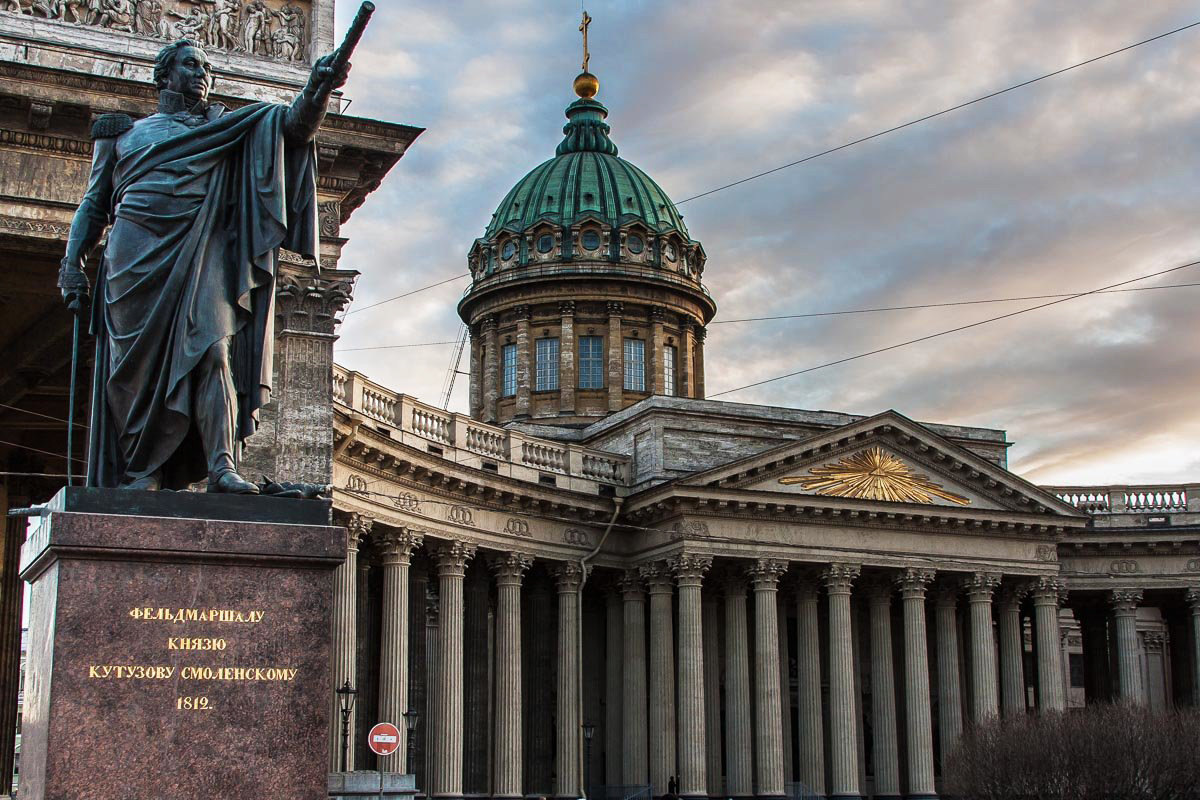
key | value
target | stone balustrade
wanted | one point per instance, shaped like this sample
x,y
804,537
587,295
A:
x,y
466,441
1163,499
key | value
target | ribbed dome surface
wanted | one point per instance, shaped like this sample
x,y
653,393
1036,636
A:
x,y
586,178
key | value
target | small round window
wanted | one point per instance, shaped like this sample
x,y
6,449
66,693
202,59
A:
x,y
509,250
545,243
591,240
670,251
635,243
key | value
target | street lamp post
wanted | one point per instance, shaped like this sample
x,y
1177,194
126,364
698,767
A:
x,y
589,730
346,694
410,724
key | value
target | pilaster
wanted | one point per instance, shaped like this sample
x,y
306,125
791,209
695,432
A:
x,y
700,333
616,357
687,339
524,357
491,367
654,358
567,378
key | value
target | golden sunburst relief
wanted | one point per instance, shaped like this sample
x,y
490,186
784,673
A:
x,y
874,474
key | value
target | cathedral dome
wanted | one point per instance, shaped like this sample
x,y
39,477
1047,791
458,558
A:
x,y
587,204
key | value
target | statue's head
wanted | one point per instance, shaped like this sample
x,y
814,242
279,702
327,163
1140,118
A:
x,y
183,67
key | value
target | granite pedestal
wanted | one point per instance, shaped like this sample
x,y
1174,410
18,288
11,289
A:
x,y
181,655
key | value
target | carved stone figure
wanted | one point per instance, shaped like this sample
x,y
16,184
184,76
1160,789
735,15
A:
x,y
256,29
11,5
222,28
117,14
148,19
200,199
193,25
289,39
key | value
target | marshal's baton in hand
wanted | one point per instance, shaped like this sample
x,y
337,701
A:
x,y
341,56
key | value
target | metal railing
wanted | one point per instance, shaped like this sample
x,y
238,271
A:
x,y
1154,499
463,439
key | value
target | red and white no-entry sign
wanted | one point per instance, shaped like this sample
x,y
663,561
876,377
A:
x,y
383,739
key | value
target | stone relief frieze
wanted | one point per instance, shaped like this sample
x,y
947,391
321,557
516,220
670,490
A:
x,y
276,29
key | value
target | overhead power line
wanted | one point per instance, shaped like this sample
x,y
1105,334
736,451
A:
x,y
928,117
39,414
43,452
410,294
394,346
944,305
954,330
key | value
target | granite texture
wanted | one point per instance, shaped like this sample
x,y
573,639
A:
x,y
192,505
125,610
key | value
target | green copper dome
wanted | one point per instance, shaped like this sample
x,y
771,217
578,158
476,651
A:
x,y
586,179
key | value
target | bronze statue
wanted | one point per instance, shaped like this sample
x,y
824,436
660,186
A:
x,y
200,199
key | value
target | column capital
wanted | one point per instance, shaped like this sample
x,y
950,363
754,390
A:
x,y
522,313
358,526
630,585
1125,600
1048,589
689,568
840,577
764,573
657,577
1193,599
395,545
657,313
912,582
1154,641
979,587
568,576
566,308
488,324
616,308
451,557
1011,594
510,568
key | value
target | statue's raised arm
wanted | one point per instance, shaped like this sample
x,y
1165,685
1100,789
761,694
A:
x,y
328,74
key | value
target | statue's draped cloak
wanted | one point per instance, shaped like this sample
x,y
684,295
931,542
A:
x,y
191,257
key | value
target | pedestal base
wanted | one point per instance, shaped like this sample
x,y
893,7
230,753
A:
x,y
177,657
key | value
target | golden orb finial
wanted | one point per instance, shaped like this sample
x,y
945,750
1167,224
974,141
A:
x,y
586,85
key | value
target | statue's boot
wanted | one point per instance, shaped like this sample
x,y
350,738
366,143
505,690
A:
x,y
231,483
149,483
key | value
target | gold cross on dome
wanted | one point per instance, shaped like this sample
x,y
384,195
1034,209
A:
x,y
583,26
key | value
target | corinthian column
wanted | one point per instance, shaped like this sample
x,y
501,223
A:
x,y
634,766
768,727
662,677
712,693
1193,600
883,693
1129,668
808,654
950,715
689,574
1052,694
843,732
739,778
985,701
509,570
912,583
395,550
568,782
345,635
447,778
1012,651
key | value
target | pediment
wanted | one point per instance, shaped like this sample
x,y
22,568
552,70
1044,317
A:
x,y
886,459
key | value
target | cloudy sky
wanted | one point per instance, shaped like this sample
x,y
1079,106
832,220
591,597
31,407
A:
x,y
1068,185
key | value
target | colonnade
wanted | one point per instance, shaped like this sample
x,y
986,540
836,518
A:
x,y
697,682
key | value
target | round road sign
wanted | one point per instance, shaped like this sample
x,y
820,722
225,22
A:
x,y
383,739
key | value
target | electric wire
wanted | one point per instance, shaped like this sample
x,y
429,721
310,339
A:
x,y
943,305
39,414
409,294
951,330
392,346
43,452
944,111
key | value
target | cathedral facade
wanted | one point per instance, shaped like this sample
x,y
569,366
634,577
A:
x,y
599,583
